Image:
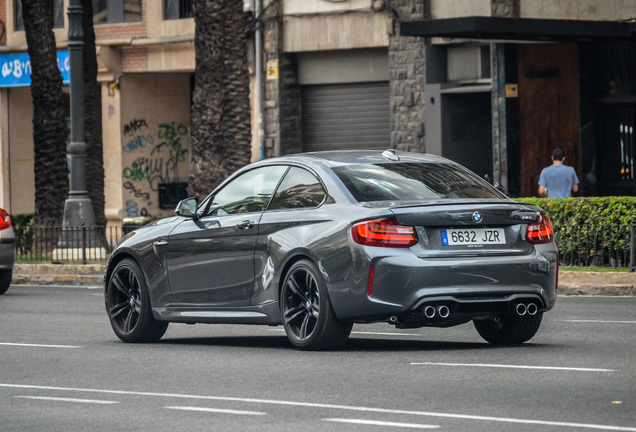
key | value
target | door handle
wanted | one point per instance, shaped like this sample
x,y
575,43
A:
x,y
245,225
160,243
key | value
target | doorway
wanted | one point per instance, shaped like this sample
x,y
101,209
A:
x,y
467,131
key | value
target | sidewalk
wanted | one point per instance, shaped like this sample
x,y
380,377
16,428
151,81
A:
x,y
570,283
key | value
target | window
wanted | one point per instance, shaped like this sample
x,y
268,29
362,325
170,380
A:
x,y
116,11
299,189
412,182
177,9
248,193
56,8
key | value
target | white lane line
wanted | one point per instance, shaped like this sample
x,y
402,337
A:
x,y
90,287
385,334
59,399
556,368
215,410
382,423
369,333
38,345
597,321
331,406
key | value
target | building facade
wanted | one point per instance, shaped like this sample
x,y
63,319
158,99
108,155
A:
x,y
145,54
436,76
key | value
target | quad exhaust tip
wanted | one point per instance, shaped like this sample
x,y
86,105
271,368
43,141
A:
x,y
431,312
523,309
443,311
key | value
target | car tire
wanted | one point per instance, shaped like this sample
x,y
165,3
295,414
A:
x,y
128,305
5,280
308,317
509,329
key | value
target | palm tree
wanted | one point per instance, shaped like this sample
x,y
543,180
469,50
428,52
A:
x,y
221,133
49,122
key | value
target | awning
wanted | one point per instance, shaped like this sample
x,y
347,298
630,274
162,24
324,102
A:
x,y
521,29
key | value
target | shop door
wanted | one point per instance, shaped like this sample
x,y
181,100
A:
x,y
353,116
467,131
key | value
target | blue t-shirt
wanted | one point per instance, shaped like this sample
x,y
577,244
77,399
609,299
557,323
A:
x,y
559,180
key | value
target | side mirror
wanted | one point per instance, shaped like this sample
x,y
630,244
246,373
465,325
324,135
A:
x,y
187,208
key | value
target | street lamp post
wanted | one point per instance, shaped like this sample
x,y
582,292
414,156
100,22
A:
x,y
78,208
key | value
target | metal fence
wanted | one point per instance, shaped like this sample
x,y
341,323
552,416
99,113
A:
x,y
579,245
66,245
596,246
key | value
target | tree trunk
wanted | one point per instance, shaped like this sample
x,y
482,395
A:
x,y
221,131
49,120
93,118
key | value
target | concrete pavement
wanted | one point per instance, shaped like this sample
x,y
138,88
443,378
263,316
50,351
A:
x,y
570,282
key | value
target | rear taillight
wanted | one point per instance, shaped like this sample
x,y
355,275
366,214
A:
x,y
5,220
384,233
540,232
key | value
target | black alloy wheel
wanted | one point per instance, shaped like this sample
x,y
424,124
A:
x,y
509,329
128,305
308,317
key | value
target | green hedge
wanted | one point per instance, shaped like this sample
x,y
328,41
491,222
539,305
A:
x,y
591,231
588,210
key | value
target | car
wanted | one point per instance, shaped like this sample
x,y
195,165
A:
x,y
316,242
7,251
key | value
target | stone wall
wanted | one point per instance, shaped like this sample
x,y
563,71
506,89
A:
x,y
407,78
282,93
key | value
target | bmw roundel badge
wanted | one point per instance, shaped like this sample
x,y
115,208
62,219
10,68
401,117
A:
x,y
477,216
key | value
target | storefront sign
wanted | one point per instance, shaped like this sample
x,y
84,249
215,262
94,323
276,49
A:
x,y
15,69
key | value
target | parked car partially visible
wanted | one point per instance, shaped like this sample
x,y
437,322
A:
x,y
7,251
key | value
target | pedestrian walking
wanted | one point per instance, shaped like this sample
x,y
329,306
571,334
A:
x,y
558,180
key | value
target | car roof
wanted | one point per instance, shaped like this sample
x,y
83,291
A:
x,y
352,157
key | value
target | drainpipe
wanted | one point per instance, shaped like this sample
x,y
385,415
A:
x,y
260,93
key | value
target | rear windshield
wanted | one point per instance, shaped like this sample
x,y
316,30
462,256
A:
x,y
412,182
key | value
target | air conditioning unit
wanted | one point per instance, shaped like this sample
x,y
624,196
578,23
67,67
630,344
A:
x,y
468,63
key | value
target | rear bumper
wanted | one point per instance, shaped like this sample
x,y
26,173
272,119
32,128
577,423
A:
x,y
7,254
471,288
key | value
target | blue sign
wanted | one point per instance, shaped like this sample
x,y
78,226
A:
x,y
15,69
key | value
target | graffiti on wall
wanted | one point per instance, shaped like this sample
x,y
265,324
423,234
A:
x,y
152,157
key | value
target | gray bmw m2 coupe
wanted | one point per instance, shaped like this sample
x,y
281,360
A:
x,y
317,242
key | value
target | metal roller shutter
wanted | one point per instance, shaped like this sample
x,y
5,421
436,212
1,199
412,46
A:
x,y
346,116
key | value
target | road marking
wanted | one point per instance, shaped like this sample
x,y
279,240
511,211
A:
x,y
90,287
330,406
556,368
369,333
38,345
597,321
59,399
215,410
382,423
385,334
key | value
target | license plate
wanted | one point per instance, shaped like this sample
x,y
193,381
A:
x,y
473,236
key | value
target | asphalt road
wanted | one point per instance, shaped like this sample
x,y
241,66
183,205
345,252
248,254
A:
x,y
62,369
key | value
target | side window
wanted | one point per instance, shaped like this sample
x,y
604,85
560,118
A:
x,y
299,189
56,8
248,193
116,11
177,9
